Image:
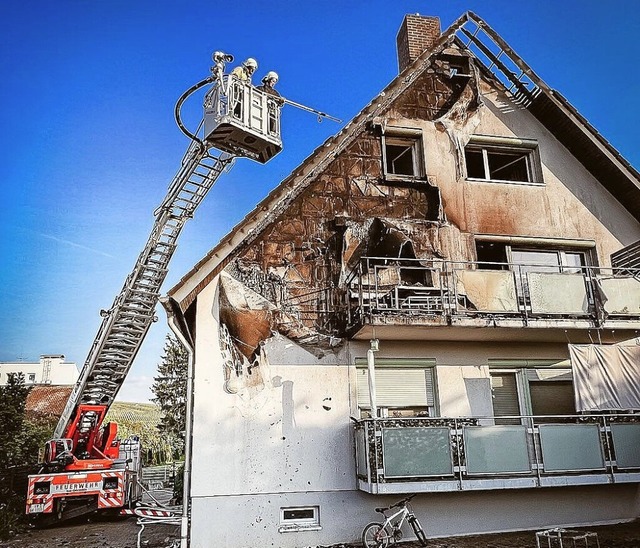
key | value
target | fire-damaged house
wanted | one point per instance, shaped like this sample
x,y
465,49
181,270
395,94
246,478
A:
x,y
443,299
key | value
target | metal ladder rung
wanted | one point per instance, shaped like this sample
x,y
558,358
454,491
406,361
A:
x,y
122,333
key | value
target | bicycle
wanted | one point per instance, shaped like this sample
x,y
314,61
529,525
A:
x,y
378,535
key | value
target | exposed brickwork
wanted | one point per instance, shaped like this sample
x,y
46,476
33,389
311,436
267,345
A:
x,y
416,35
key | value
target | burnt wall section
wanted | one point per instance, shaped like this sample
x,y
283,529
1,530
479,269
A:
x,y
449,80
299,264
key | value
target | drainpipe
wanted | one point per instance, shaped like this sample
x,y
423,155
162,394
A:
x,y
371,366
178,326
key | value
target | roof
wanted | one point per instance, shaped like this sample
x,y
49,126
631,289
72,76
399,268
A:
x,y
47,400
547,105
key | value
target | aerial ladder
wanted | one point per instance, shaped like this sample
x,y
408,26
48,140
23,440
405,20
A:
x,y
86,467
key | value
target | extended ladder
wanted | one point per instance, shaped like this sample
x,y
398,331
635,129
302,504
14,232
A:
x,y
126,323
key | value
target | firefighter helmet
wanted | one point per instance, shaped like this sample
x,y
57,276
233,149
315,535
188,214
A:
x,y
270,76
250,64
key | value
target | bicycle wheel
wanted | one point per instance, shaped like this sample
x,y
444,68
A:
x,y
375,536
419,532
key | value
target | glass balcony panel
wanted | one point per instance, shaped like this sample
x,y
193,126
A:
x,y
488,291
557,293
557,284
626,442
496,450
361,453
416,452
571,447
622,294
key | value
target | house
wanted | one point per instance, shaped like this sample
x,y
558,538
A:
x,y
46,402
418,308
50,369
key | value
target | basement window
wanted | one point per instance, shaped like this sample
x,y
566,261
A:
x,y
503,159
402,154
299,518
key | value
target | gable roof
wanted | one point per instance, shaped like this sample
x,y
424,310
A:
x,y
472,34
45,400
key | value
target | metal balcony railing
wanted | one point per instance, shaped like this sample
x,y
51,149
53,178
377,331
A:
x,y
379,285
396,455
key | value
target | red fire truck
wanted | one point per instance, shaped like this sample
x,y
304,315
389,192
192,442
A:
x,y
86,467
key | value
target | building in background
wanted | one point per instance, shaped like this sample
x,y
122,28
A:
x,y
51,369
418,308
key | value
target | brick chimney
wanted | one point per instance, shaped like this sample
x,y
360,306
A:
x,y
417,34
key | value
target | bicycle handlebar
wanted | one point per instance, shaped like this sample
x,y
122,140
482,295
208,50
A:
x,y
402,502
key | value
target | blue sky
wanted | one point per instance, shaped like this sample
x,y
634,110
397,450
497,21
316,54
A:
x,y
89,143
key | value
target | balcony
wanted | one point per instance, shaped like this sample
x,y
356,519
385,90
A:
x,y
408,455
411,292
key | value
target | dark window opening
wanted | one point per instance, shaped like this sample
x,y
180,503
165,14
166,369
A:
x,y
499,163
508,166
402,156
298,513
475,164
489,253
400,160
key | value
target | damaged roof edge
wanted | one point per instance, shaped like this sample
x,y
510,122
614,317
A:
x,y
267,210
250,227
580,122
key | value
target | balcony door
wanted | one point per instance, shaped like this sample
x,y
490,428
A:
x,y
531,387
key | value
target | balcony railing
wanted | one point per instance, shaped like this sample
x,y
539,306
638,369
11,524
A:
x,y
450,289
453,454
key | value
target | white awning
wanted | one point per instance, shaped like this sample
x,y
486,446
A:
x,y
606,377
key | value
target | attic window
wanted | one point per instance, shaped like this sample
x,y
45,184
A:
x,y
402,154
503,160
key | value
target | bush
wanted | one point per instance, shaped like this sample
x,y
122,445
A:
x,y
178,484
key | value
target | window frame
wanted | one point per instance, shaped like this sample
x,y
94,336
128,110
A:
x,y
300,524
427,365
587,250
523,370
488,143
412,139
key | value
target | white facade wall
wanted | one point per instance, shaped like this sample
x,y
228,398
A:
x,y
286,439
51,369
287,442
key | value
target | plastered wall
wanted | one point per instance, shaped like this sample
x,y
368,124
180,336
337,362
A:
x,y
290,444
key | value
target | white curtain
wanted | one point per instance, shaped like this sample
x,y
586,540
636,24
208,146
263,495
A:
x,y
606,377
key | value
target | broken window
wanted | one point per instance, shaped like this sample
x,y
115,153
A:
x,y
529,261
498,255
404,388
531,387
402,153
503,160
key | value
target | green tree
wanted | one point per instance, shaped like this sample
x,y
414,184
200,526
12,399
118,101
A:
x,y
14,442
170,391
19,441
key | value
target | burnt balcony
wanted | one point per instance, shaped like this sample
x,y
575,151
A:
x,y
409,455
412,292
